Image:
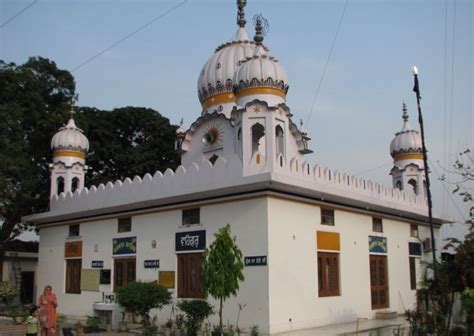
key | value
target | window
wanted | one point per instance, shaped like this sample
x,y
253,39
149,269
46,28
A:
x,y
377,224
280,140
73,276
414,185
74,230
75,184
398,185
412,273
191,216
190,281
258,131
125,224
124,271
60,184
328,274
413,230
327,217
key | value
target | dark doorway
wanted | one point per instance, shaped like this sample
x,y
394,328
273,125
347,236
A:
x,y
27,287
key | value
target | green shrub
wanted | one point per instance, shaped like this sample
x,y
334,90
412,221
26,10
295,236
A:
x,y
8,292
196,312
140,297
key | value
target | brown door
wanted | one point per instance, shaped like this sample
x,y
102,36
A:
x,y
379,282
124,271
190,277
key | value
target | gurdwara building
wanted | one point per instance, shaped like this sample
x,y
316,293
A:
x,y
319,246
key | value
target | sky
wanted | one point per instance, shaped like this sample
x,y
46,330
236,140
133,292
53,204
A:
x,y
358,107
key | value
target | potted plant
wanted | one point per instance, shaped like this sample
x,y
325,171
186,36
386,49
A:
x,y
254,330
179,322
92,324
196,311
167,327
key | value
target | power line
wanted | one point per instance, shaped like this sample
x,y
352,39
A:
x,y
448,192
18,14
130,35
327,61
445,65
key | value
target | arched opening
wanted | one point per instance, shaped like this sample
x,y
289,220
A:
x,y
213,159
75,184
398,185
59,185
279,140
258,131
414,185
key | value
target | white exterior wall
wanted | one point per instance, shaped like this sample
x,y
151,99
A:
x,y
248,222
293,279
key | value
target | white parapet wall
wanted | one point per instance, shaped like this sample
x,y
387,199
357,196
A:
x,y
229,173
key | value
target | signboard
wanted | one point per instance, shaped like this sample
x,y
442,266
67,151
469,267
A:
x,y
73,249
97,264
166,279
105,277
151,263
414,249
377,244
190,240
90,280
127,245
256,261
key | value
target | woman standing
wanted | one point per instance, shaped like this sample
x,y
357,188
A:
x,y
48,303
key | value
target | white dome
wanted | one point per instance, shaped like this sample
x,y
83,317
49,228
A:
x,y
218,73
70,137
407,140
263,68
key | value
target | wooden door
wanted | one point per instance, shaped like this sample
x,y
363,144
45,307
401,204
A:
x,y
379,282
124,271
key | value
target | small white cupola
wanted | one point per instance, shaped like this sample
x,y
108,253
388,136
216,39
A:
x,y
69,146
407,153
260,76
180,135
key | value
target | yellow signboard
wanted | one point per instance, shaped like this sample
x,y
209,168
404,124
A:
x,y
166,279
328,241
90,280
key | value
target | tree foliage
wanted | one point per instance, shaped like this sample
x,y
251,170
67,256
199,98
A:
x,y
222,268
35,101
140,297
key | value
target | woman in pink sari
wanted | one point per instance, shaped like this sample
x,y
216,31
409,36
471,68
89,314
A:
x,y
48,303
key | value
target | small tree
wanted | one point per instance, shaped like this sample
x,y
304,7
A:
x,y
196,312
140,297
8,292
222,268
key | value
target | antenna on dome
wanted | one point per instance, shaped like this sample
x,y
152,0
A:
x,y
405,114
74,99
261,27
241,14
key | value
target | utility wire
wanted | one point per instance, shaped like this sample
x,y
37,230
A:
x,y
327,61
445,65
18,14
130,35
448,192
372,169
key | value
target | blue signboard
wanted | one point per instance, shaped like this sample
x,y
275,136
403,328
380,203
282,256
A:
x,y
414,249
151,263
255,261
97,264
127,245
190,240
377,244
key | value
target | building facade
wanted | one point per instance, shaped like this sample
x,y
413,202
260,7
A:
x,y
320,246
